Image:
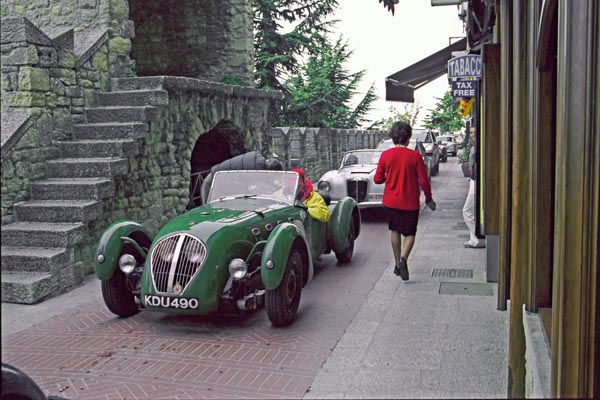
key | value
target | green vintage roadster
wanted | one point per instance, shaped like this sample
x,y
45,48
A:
x,y
251,245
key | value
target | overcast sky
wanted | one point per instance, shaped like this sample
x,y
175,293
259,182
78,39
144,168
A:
x,y
384,44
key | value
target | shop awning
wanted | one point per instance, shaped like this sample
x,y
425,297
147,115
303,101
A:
x,y
402,85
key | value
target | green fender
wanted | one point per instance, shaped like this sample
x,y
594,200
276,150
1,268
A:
x,y
276,253
339,223
110,245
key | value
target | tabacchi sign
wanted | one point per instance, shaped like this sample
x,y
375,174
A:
x,y
468,66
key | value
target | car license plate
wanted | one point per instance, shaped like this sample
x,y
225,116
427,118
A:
x,y
183,303
374,197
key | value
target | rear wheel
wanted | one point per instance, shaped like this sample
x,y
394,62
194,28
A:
x,y
346,255
282,302
117,296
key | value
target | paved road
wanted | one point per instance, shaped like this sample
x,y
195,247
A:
x,y
86,352
357,333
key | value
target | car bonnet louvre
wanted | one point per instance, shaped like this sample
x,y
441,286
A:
x,y
174,262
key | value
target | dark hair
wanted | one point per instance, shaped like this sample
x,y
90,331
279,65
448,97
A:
x,y
273,164
401,132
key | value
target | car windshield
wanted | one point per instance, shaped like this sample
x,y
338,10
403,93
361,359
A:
x,y
360,157
278,186
446,138
388,144
421,136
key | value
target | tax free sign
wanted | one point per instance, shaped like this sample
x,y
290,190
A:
x,y
463,67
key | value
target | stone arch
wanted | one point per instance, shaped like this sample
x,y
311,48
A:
x,y
223,141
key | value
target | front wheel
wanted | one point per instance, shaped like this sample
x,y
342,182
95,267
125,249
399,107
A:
x,y
345,255
282,302
117,296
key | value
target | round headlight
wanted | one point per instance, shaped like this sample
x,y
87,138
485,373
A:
x,y
127,263
323,186
237,268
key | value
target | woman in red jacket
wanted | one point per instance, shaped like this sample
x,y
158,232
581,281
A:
x,y
404,174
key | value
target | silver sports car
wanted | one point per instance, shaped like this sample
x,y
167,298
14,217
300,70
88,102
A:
x,y
354,179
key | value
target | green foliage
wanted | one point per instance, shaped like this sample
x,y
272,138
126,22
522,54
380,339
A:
x,y
279,54
410,114
320,93
234,80
444,116
130,73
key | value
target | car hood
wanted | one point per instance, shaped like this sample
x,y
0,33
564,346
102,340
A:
x,y
202,222
358,169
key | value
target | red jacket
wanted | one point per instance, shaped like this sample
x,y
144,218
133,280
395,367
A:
x,y
404,174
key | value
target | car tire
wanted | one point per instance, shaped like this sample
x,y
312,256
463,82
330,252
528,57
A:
x,y
282,302
345,256
117,296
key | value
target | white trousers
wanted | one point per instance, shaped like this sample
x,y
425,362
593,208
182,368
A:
x,y
469,213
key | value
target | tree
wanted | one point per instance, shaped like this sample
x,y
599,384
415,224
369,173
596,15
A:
x,y
389,4
444,117
278,54
319,95
410,114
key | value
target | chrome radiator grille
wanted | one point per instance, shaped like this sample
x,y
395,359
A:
x,y
174,261
357,189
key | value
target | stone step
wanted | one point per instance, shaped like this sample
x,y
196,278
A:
x,y
139,83
108,131
33,287
58,210
120,114
98,148
34,259
27,287
86,167
42,234
72,189
132,98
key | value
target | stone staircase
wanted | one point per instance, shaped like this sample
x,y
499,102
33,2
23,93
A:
x,y
39,250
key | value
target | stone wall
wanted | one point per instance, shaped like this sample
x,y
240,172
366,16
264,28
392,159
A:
x,y
43,77
207,40
88,19
158,183
38,79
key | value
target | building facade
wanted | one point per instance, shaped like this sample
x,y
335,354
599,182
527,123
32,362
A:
x,y
539,195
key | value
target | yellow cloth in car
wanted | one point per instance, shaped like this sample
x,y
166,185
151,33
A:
x,y
317,207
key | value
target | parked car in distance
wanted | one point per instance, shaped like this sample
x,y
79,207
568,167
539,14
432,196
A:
x,y
246,248
354,178
413,145
449,143
427,137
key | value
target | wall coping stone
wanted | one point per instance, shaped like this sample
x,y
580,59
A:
x,y
14,125
19,30
177,83
87,43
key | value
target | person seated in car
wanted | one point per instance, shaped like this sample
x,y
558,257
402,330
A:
x,y
351,160
317,208
247,161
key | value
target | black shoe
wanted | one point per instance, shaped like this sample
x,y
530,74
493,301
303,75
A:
x,y
402,269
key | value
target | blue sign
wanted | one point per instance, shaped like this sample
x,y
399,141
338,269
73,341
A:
x,y
465,89
467,66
